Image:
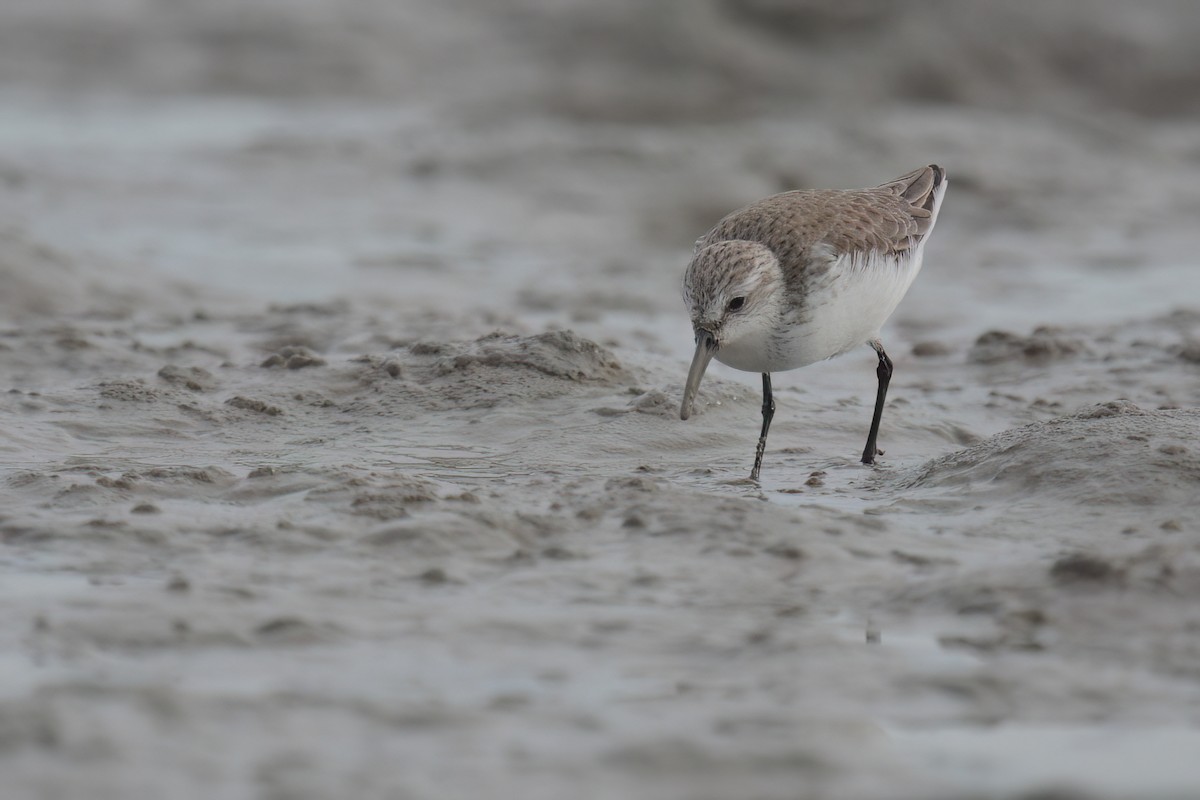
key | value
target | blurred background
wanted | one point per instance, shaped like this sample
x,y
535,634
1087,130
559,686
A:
x,y
286,149
674,61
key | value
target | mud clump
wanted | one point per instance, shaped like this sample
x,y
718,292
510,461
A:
x,y
1113,408
1081,568
293,631
134,390
196,379
1107,454
184,475
250,404
293,357
501,368
1043,345
931,349
558,354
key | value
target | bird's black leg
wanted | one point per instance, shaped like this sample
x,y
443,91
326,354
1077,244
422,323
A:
x,y
768,411
884,371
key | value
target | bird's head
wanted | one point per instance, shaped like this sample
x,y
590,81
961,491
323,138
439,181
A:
x,y
730,290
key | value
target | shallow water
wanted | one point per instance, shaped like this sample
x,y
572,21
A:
x,y
1084,758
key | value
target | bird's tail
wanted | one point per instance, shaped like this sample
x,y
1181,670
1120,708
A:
x,y
919,187
923,190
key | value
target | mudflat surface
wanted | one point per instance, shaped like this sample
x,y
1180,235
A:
x,y
340,361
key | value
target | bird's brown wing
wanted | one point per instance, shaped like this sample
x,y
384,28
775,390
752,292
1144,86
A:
x,y
887,219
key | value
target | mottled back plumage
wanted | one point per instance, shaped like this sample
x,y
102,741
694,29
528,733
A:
x,y
888,219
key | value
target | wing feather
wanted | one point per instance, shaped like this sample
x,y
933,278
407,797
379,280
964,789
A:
x,y
887,219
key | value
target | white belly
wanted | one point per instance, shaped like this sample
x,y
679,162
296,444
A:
x,y
844,311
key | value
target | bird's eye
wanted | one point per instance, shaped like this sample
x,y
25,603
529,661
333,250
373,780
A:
x,y
736,303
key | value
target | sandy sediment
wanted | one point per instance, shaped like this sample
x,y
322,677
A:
x,y
467,538
339,437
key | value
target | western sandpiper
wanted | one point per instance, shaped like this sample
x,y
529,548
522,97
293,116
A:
x,y
804,276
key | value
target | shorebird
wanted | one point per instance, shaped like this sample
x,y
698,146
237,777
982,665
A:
x,y
804,276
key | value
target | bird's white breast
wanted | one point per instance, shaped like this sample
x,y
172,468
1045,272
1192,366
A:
x,y
844,310
849,310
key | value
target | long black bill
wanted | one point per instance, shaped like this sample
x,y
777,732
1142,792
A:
x,y
706,348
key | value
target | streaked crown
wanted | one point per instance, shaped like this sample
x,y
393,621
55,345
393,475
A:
x,y
727,277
